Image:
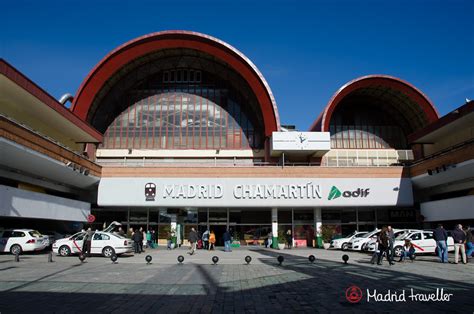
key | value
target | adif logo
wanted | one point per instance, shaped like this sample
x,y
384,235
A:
x,y
335,193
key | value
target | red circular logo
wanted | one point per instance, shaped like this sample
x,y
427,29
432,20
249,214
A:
x,y
353,294
90,218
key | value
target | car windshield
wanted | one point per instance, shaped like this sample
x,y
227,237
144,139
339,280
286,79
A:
x,y
350,234
367,235
360,235
35,234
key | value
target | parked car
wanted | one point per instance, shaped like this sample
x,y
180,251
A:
x,y
356,244
103,242
423,241
342,243
399,234
17,241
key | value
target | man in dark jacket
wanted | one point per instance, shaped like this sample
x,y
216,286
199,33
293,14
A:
x,y
469,242
136,237
391,241
459,238
192,238
441,237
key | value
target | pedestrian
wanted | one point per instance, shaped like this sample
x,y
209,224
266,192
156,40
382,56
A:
x,y
441,237
130,233
143,242
391,241
376,251
137,239
205,239
169,240
88,242
192,238
148,239
212,240
469,242
153,238
384,246
459,238
408,251
121,232
227,238
289,239
270,239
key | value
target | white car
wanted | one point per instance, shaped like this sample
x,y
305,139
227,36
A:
x,y
399,234
103,242
17,241
423,241
356,244
343,243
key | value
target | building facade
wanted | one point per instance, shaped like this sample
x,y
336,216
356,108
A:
x,y
192,138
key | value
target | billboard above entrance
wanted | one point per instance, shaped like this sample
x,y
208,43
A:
x,y
255,192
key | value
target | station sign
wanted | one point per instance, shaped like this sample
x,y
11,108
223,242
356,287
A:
x,y
255,192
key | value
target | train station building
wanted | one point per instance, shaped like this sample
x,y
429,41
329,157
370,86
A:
x,y
177,129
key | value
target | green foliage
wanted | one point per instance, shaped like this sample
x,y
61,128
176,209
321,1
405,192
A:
x,y
281,237
326,233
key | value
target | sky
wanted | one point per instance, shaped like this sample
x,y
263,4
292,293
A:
x,y
306,50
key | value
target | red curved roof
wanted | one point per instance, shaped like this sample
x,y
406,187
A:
x,y
140,46
322,122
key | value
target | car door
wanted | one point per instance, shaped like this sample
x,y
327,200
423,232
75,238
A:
x,y
429,242
417,241
77,242
99,241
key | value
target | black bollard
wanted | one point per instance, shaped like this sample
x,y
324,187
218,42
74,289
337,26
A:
x,y
280,259
311,258
82,258
17,257
180,259
215,259
148,259
114,258
50,257
345,258
248,259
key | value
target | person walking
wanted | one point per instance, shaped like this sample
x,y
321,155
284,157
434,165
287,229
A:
x,y
459,238
143,243
192,238
137,239
148,239
88,242
376,253
469,242
205,239
383,246
391,241
269,239
289,239
227,238
441,237
212,240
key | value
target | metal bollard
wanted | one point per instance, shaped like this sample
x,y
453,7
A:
x,y
50,257
17,257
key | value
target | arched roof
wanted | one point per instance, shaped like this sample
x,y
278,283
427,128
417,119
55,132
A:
x,y
406,97
141,46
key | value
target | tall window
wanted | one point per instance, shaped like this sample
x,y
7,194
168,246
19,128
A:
x,y
201,118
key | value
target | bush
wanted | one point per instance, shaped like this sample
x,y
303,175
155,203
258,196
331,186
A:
x,y
326,233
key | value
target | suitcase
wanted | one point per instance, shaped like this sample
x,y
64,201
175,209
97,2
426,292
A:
x,y
199,244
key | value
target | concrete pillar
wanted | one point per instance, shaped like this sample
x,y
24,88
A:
x,y
318,222
275,228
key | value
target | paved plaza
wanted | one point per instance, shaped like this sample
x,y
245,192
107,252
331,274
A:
x,y
197,286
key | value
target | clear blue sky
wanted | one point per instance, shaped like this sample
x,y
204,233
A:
x,y
305,49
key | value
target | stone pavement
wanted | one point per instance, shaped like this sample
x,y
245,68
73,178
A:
x,y
231,286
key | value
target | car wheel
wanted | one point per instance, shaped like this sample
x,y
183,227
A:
x,y
344,247
64,250
397,251
15,249
108,251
